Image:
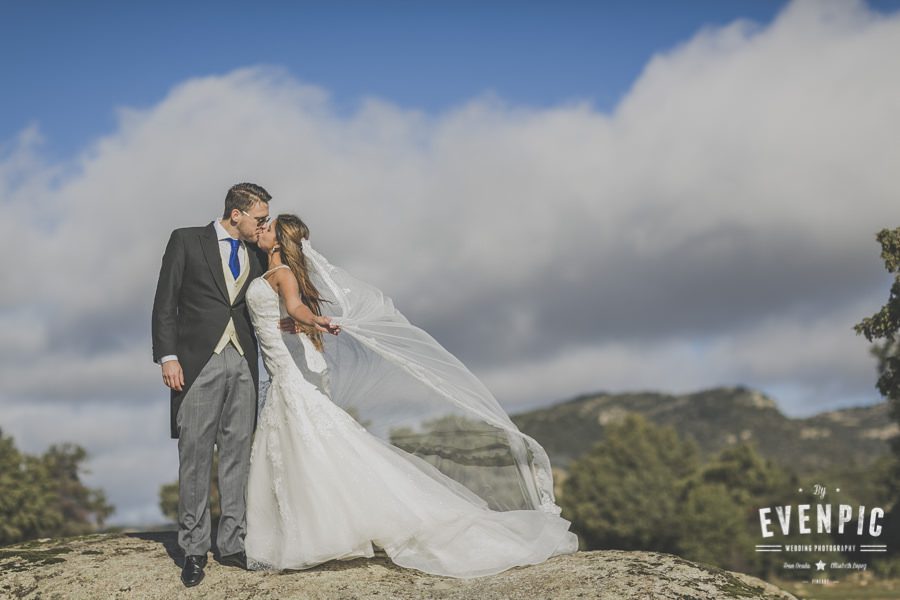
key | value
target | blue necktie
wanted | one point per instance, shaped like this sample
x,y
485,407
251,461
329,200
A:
x,y
233,260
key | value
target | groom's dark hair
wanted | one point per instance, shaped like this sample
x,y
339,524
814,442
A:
x,y
244,195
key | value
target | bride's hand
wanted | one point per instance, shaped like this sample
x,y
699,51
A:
x,y
325,325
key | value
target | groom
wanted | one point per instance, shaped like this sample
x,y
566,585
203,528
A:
x,y
204,342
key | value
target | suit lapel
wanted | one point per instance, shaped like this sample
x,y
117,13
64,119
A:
x,y
210,244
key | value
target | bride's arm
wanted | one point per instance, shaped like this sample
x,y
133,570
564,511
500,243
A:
x,y
289,290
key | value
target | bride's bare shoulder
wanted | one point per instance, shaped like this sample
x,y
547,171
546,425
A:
x,y
284,278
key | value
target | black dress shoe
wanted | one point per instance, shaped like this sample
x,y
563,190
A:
x,y
192,572
238,559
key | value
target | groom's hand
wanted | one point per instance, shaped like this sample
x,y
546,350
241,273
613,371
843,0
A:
x,y
172,374
289,325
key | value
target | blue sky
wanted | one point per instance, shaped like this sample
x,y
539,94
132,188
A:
x,y
716,228
67,65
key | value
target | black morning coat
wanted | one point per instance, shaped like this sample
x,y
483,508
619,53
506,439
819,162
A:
x,y
191,307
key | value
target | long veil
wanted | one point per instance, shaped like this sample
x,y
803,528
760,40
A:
x,y
407,390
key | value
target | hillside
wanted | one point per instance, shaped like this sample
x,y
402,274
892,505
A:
x,y
715,419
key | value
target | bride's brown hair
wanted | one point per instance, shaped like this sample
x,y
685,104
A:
x,y
289,230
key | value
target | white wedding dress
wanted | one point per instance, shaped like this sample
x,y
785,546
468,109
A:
x,y
322,487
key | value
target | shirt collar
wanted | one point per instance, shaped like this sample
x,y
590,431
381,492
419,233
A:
x,y
221,233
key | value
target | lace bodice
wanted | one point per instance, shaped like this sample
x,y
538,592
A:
x,y
281,350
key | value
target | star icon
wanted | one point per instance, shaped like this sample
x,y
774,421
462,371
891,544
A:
x,y
820,566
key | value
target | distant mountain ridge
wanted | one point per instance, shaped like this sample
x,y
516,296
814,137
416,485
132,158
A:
x,y
717,418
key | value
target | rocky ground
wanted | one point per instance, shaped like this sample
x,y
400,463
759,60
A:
x,y
146,565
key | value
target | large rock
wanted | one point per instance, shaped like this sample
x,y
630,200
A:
x,y
145,565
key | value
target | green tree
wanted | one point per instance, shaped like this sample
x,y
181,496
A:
x,y
43,496
882,329
80,506
626,491
712,528
26,497
644,488
720,510
884,325
748,476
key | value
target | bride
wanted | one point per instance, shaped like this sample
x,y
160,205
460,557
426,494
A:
x,y
379,436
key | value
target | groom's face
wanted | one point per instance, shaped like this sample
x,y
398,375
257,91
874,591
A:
x,y
249,226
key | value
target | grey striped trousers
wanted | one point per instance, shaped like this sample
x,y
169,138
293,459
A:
x,y
217,410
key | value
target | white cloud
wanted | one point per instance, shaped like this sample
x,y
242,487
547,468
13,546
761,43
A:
x,y
716,228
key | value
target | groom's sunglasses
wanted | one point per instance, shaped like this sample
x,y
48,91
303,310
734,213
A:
x,y
260,221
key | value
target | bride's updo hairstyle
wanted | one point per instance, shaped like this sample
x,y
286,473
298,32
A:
x,y
289,230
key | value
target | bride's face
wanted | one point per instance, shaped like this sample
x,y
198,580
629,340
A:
x,y
266,239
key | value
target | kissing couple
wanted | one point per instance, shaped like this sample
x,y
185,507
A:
x,y
367,433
